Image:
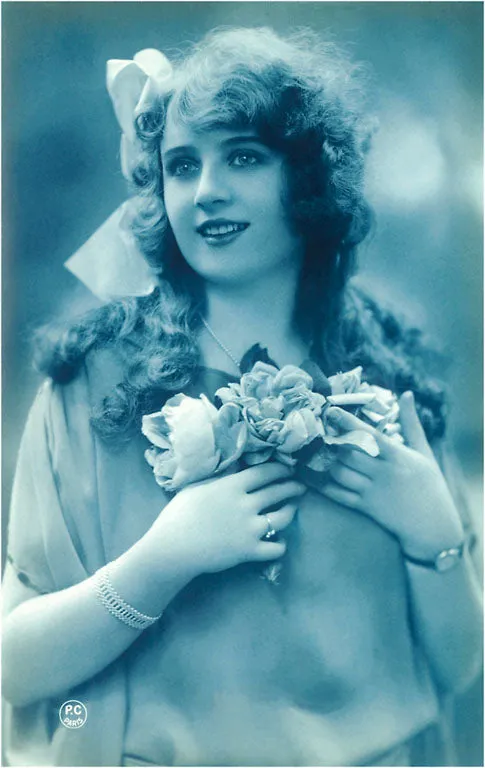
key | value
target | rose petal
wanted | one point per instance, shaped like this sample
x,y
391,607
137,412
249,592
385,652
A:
x,y
231,443
228,415
260,367
272,407
164,466
290,376
192,437
384,399
229,394
151,455
164,474
359,439
254,442
345,383
258,457
187,473
354,398
155,428
258,382
285,458
301,427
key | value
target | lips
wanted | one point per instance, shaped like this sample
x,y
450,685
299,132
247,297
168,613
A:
x,y
221,228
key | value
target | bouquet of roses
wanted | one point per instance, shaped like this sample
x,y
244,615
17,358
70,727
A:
x,y
269,414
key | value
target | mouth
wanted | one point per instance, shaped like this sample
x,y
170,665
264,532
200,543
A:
x,y
221,231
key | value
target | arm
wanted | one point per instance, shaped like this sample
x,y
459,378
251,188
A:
x,y
429,589
404,491
41,659
447,612
207,527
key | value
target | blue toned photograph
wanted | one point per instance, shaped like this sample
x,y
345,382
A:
x,y
242,384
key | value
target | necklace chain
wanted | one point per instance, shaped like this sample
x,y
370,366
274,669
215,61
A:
x,y
220,344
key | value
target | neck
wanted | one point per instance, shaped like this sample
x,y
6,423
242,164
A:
x,y
259,312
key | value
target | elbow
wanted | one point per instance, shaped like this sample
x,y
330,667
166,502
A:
x,y
10,693
14,690
11,686
17,685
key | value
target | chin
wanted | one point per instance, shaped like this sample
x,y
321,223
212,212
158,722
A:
x,y
229,279
223,271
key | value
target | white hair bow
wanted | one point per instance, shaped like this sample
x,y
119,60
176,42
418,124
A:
x,y
133,87
110,263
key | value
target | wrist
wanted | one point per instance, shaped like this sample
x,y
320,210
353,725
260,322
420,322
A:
x,y
445,560
439,552
149,579
171,545
433,534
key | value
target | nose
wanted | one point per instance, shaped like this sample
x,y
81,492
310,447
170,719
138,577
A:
x,y
212,188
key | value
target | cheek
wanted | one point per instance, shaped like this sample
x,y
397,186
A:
x,y
175,203
276,216
272,198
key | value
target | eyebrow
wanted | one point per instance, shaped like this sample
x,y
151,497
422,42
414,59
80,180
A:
x,y
175,151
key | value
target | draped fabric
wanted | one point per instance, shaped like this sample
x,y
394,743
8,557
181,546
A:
x,y
345,647
54,542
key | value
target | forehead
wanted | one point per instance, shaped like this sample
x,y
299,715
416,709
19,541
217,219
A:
x,y
177,133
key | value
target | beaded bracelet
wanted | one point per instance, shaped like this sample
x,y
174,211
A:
x,y
115,604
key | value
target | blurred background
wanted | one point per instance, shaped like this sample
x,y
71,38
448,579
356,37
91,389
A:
x,y
61,180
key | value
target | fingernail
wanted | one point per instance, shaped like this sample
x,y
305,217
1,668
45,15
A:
x,y
409,396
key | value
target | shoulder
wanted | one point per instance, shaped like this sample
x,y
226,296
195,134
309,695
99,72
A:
x,y
61,347
66,408
104,369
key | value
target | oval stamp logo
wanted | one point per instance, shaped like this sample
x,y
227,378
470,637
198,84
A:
x,y
73,714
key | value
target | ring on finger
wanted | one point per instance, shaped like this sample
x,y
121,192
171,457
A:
x,y
271,531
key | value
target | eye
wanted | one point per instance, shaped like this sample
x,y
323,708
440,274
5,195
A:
x,y
182,167
245,158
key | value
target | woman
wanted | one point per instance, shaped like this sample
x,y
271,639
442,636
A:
x,y
247,162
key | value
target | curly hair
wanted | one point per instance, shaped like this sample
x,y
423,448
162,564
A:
x,y
305,99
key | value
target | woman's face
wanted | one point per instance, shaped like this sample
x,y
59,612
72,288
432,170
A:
x,y
224,191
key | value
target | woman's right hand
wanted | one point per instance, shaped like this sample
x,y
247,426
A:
x,y
217,524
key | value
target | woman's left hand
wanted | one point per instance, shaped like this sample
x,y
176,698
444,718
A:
x,y
402,489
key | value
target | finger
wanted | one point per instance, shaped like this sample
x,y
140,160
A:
x,y
269,550
276,493
391,429
412,429
263,474
277,520
342,496
357,460
349,478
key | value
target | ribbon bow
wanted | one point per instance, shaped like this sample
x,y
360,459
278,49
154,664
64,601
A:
x,y
110,263
134,87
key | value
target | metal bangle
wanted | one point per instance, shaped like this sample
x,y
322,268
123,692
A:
x,y
115,604
444,560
